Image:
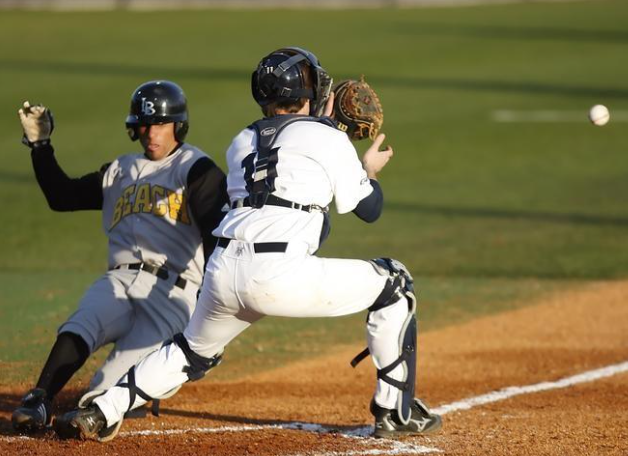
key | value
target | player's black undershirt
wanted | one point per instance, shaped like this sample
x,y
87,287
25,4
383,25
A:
x,y
370,208
207,191
62,192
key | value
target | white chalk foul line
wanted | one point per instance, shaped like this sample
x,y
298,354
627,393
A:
x,y
546,115
511,391
361,434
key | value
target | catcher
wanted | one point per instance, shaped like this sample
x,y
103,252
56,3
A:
x,y
159,208
284,171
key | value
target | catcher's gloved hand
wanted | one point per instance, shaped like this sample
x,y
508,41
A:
x,y
357,109
37,124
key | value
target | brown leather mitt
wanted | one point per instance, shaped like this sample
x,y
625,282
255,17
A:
x,y
357,109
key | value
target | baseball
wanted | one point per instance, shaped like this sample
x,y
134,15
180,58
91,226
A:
x,y
599,115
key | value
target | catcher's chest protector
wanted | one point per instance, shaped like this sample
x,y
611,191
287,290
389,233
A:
x,y
264,163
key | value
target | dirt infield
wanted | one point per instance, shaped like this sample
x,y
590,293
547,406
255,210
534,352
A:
x,y
319,407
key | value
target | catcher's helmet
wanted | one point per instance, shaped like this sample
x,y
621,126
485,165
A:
x,y
158,102
280,78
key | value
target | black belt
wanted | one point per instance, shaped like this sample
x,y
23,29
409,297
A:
x,y
276,201
259,247
157,271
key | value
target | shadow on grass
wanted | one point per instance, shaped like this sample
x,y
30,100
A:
x,y
124,69
234,74
509,214
16,177
520,33
497,85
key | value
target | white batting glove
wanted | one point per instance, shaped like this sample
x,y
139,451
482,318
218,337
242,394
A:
x,y
37,124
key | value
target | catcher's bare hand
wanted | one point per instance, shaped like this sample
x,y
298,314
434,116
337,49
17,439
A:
x,y
374,159
36,122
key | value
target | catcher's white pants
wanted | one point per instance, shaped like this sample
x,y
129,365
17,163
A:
x,y
241,286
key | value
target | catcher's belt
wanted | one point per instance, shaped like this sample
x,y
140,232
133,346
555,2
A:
x,y
273,200
259,247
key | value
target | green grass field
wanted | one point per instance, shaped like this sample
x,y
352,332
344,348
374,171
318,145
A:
x,y
486,215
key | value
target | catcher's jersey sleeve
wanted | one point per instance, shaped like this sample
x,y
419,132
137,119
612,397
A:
x,y
62,192
349,181
370,208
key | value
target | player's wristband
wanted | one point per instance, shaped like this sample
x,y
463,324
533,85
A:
x,y
35,144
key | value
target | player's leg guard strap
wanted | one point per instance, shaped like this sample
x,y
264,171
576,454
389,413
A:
x,y
382,374
133,389
198,365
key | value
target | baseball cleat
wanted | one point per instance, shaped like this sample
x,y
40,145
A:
x,y
85,424
388,425
34,413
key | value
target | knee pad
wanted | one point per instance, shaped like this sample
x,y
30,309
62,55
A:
x,y
400,284
198,365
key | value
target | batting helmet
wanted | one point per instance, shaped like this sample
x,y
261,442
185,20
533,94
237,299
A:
x,y
280,78
158,102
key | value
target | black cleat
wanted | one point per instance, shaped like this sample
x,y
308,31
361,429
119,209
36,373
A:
x,y
34,414
83,423
388,424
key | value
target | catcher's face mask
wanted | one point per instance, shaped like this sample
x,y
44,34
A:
x,y
278,77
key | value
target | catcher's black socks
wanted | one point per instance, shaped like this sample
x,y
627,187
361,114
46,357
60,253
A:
x,y
67,356
34,413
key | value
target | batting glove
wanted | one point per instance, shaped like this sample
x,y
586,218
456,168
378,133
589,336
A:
x,y
37,124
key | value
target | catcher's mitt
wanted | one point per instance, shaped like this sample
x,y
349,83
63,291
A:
x,y
357,109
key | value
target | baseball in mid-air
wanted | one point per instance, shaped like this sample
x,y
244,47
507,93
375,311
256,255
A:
x,y
599,115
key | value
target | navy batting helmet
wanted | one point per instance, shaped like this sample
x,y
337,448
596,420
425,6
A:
x,y
158,102
280,78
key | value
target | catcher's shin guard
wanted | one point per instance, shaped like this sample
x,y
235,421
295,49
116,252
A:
x,y
407,359
399,286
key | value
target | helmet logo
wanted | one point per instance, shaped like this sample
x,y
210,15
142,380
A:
x,y
268,131
148,107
